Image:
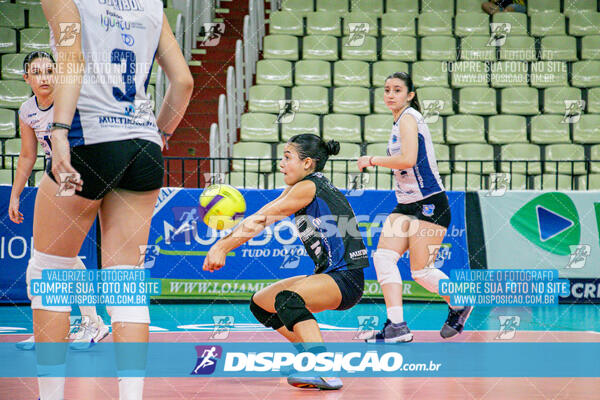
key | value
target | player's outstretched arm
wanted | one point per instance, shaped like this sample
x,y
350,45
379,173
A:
x,y
291,200
24,167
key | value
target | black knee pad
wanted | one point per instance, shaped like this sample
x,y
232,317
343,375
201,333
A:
x,y
291,309
270,320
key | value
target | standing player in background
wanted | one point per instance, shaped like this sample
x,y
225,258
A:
x,y
422,209
113,161
338,280
35,118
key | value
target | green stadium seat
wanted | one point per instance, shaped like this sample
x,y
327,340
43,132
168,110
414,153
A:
x,y
378,128
434,23
323,23
377,149
380,179
351,100
465,6
437,6
347,151
547,23
566,153
154,73
436,129
528,156
35,39
586,74
29,4
519,48
554,98
6,177
383,69
426,94
465,129
342,127
469,73
313,72
573,7
595,156
588,182
302,123
464,154
351,73
320,47
402,6
152,93
13,93
462,181
548,182
587,129
333,6
312,99
300,7
275,181
8,123
378,104
517,21
593,101
286,23
265,99
274,72
37,177
582,24
504,129
283,47
590,47
259,127
536,7
509,73
429,73
359,24
515,181
442,48
12,16
352,181
258,156
477,100
249,180
475,48
548,73
442,155
12,66
369,6
519,100
12,147
399,48
559,48
37,19
402,24
548,129
472,23
367,51
8,40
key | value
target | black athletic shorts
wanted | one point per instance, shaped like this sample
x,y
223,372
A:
x,y
434,209
351,283
133,164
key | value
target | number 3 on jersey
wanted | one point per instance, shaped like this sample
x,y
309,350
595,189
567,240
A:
x,y
116,57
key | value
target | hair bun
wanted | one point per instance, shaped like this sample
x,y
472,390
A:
x,y
333,147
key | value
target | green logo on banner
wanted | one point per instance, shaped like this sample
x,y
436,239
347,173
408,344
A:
x,y
549,221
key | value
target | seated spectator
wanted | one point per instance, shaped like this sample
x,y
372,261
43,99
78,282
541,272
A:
x,y
492,7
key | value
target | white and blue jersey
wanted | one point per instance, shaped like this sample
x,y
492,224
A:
x,y
423,179
119,39
39,120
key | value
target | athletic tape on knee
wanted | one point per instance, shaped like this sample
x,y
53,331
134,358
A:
x,y
39,262
386,266
291,309
429,278
270,320
136,314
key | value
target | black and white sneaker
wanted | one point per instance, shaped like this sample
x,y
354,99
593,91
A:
x,y
392,333
455,323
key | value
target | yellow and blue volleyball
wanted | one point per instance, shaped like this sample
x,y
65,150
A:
x,y
222,206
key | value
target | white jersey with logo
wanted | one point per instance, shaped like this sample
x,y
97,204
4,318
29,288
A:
x,y
423,179
39,120
119,39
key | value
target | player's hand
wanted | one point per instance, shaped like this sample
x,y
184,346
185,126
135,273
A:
x,y
215,259
364,162
13,211
61,158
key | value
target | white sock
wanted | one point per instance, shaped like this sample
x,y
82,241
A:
x,y
430,279
52,388
131,388
395,314
89,311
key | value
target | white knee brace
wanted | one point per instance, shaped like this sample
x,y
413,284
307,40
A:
x,y
137,314
41,261
386,266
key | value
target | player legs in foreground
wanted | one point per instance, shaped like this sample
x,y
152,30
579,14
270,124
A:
x,y
287,306
421,218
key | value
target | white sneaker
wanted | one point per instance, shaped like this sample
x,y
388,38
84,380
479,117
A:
x,y
27,344
88,334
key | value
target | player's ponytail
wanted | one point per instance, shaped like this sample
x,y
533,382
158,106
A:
x,y
405,77
34,55
309,145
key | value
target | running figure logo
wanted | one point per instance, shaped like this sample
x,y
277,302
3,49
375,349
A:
x,y
508,326
213,32
573,111
358,34
66,187
499,34
223,325
207,359
68,33
579,255
432,110
186,219
367,324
